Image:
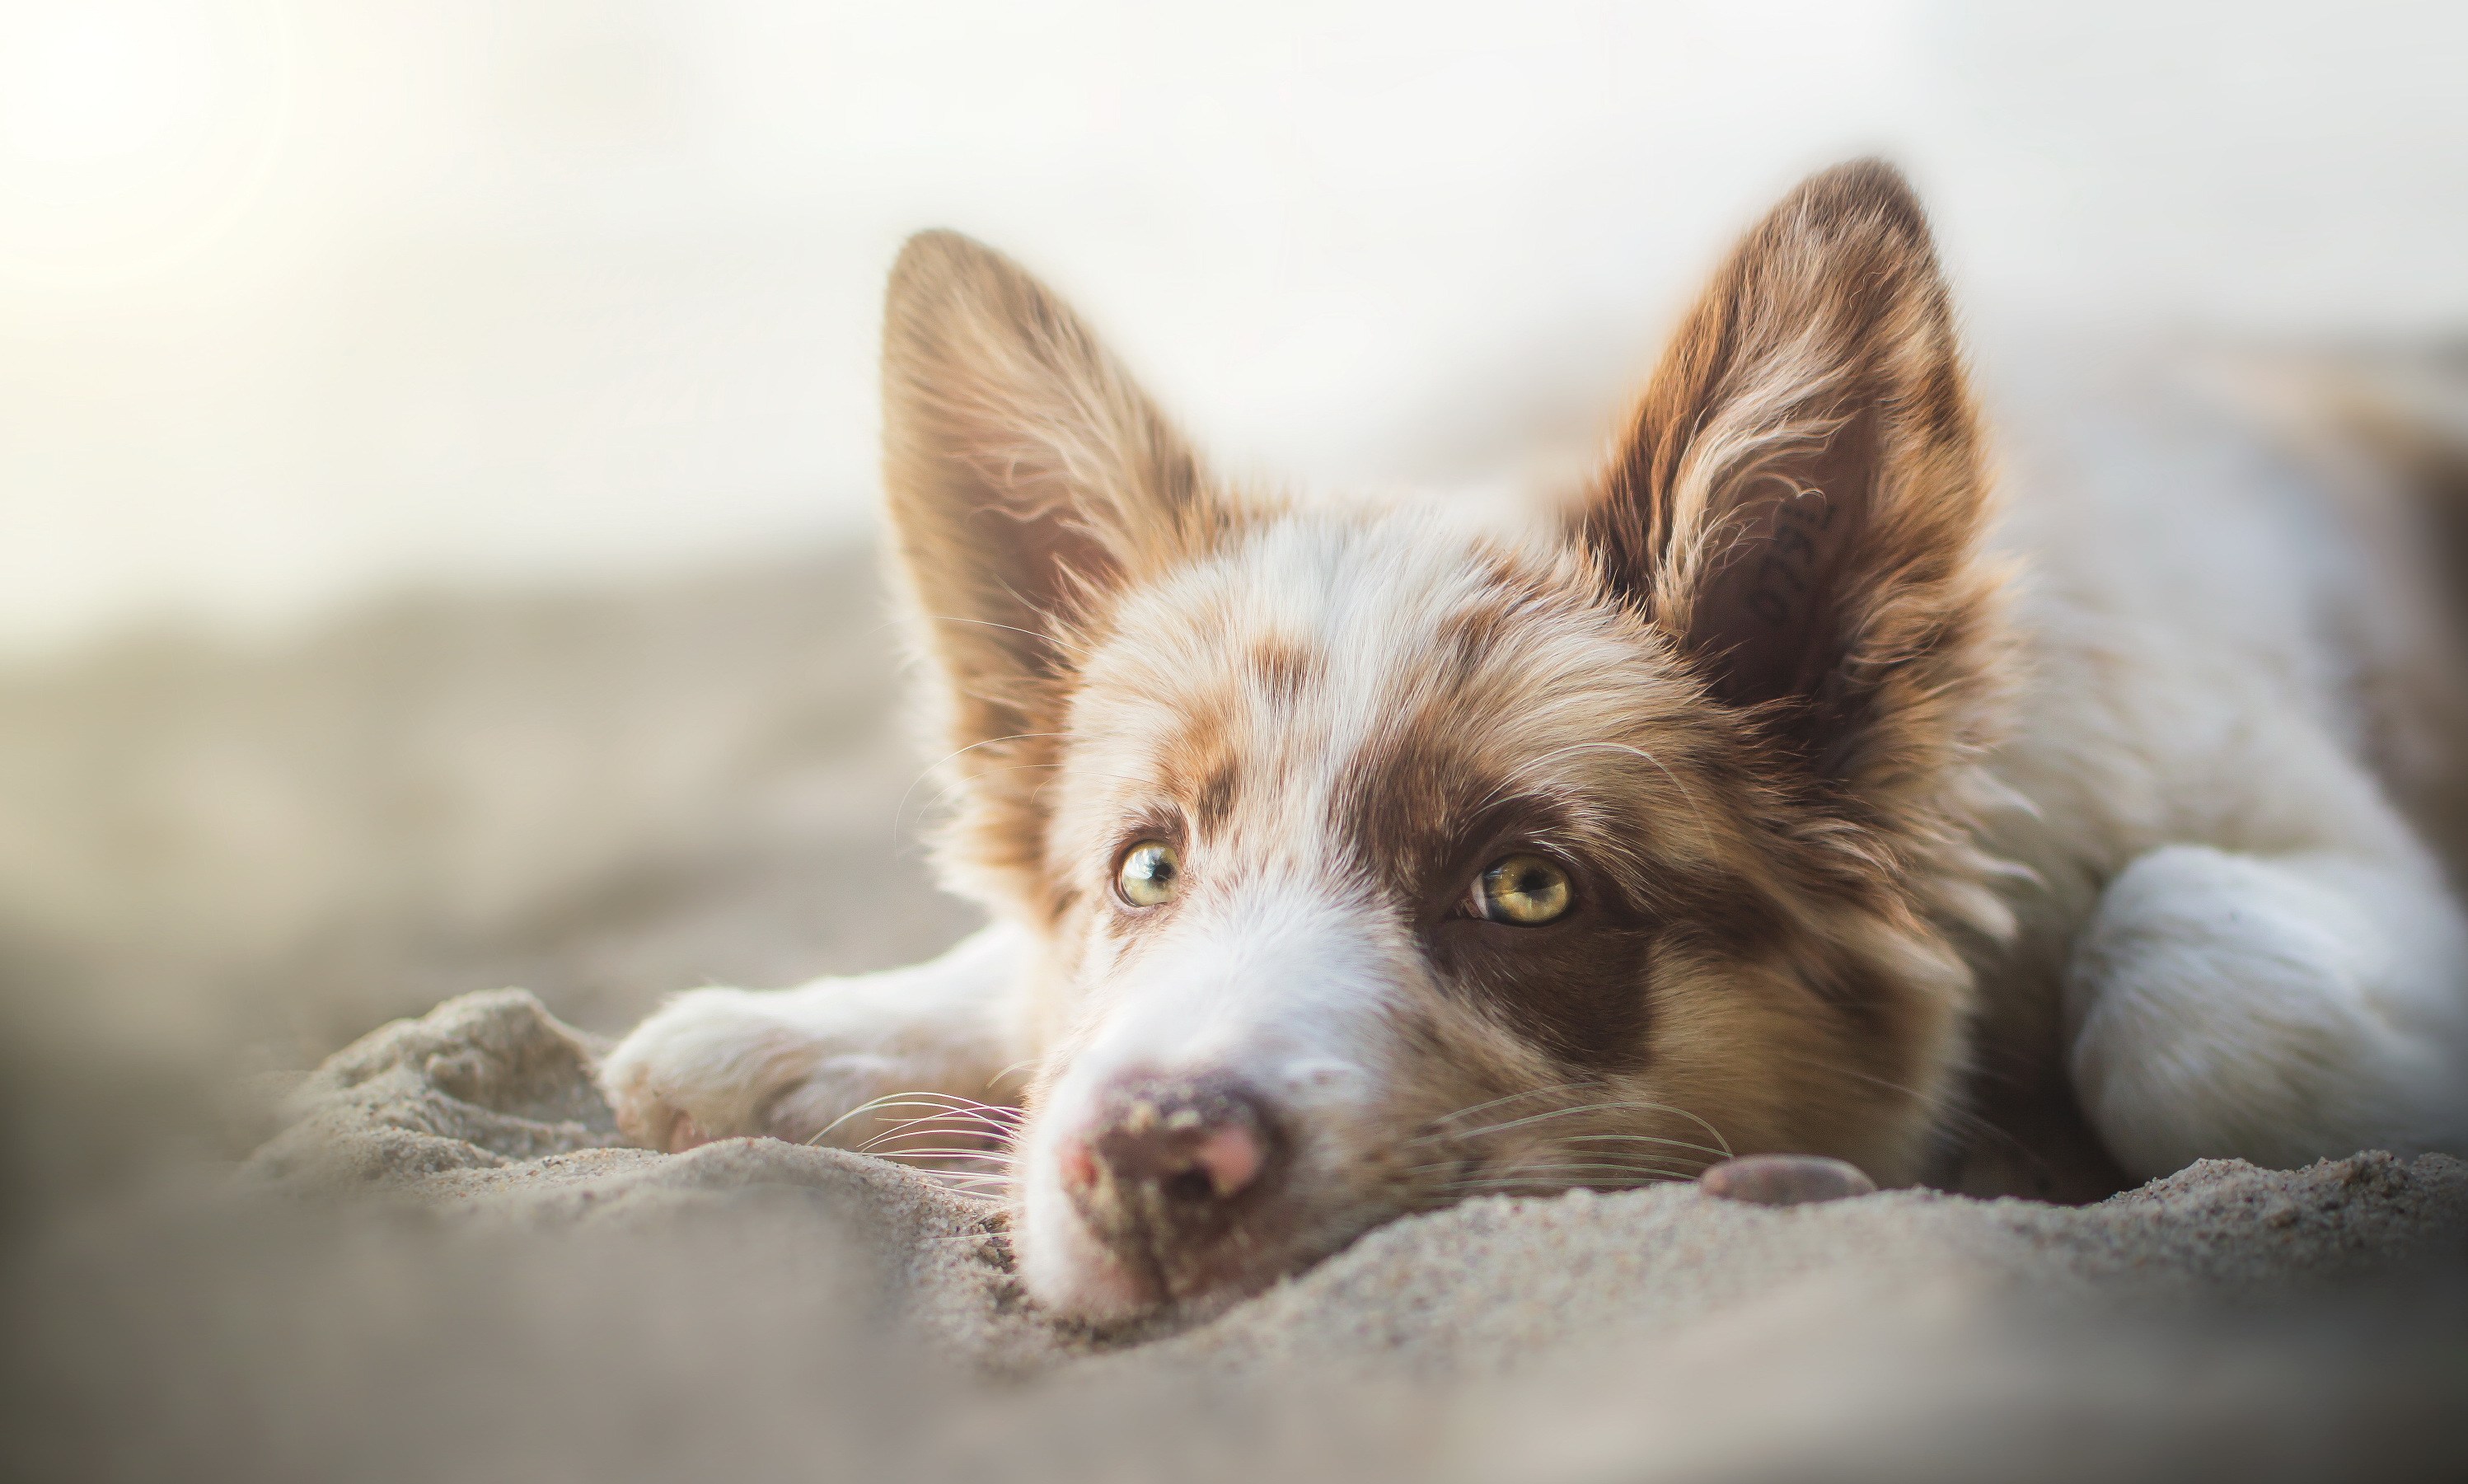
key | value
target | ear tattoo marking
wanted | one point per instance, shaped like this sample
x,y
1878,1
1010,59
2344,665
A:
x,y
1786,572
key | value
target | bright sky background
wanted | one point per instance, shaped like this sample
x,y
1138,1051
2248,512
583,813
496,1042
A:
x,y
303,300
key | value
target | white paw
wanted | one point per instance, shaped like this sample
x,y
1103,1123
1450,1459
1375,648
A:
x,y
719,1064
803,1064
2225,1006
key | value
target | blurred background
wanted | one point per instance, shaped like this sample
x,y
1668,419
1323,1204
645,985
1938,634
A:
x,y
437,489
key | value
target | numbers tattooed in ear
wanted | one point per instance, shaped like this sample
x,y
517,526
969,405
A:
x,y
1790,559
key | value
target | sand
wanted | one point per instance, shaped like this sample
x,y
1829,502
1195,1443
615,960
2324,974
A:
x,y
444,1269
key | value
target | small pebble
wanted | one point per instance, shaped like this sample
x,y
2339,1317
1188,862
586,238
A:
x,y
1785,1180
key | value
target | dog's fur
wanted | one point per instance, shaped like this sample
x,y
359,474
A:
x,y
1869,860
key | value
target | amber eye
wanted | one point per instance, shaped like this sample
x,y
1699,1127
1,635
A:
x,y
1526,890
1147,873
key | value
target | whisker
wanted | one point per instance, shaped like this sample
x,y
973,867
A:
x,y
887,1100
957,1103
1133,779
958,784
1569,1166
951,1107
913,1097
1530,1092
901,809
1945,1107
1571,1112
1511,1182
891,1100
940,1115
1043,638
1562,1173
1573,1179
921,1127
919,1143
937,1095
1607,746
972,1117
960,1122
945,1111
974,1138
954,1120
1643,1138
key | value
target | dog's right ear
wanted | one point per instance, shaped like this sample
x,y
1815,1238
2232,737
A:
x,y
1800,497
1028,479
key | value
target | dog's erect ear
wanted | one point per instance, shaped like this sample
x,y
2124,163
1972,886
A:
x,y
1027,479
1800,497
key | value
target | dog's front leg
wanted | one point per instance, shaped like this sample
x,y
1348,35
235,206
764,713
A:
x,y
796,1063
2273,1007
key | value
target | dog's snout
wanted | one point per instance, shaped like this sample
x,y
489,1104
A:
x,y
1194,1145
1165,1164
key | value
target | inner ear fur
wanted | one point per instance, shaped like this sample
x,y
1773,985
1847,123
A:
x,y
1028,478
1800,498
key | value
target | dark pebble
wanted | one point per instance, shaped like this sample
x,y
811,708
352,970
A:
x,y
1785,1180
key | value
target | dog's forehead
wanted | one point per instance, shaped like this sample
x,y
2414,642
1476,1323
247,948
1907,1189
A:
x,y
1332,670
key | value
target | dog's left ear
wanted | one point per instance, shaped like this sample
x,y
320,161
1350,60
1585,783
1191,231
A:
x,y
1798,502
1029,481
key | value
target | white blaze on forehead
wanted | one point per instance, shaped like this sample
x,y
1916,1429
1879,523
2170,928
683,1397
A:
x,y
1366,607
1359,599
1353,602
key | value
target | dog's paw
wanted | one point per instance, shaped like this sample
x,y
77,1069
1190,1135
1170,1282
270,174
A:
x,y
723,1063
2225,1005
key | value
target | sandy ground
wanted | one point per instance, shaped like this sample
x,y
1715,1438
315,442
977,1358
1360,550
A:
x,y
222,858
508,1296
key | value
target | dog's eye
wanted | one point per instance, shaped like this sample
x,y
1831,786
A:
x,y
1526,890
1147,873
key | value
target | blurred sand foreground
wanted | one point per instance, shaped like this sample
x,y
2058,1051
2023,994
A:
x,y
218,859
523,1302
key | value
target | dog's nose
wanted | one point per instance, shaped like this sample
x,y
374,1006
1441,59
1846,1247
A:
x,y
1168,1156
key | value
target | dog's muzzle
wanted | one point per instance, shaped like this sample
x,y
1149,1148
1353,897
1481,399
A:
x,y
1168,1170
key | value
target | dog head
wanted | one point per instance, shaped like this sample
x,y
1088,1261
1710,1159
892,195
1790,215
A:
x,y
1378,862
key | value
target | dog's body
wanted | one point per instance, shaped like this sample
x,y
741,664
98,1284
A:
x,y
1347,862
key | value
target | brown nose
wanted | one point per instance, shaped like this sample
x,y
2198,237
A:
x,y
1165,1163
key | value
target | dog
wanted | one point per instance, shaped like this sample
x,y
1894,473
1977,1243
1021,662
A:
x,y
1776,793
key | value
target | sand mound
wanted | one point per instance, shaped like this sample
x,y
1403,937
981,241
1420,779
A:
x,y
527,1300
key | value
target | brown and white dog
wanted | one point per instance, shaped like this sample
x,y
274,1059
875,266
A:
x,y
1346,863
